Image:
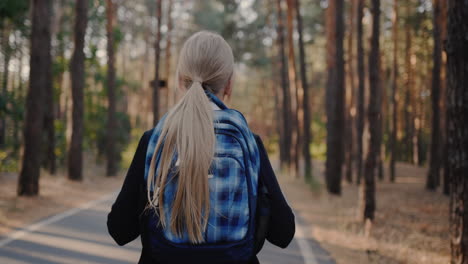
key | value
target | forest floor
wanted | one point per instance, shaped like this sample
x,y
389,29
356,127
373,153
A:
x,y
57,194
411,224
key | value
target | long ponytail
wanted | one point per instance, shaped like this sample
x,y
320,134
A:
x,y
188,131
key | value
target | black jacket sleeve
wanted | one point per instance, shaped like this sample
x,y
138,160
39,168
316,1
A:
x,y
281,227
123,219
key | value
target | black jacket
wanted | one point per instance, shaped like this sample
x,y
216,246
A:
x,y
123,220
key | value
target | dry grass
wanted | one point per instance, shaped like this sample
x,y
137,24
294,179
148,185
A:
x,y
57,194
411,224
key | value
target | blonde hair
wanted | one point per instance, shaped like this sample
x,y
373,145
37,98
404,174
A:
x,y
205,62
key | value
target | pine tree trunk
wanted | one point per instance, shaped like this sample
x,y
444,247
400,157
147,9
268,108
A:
x,y
373,116
307,135
285,151
443,95
335,96
457,139
350,100
381,120
360,92
5,31
294,84
49,160
77,71
278,108
434,165
393,135
409,106
169,99
40,67
60,54
49,117
111,117
157,55
146,107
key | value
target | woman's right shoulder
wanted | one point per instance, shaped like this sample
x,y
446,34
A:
x,y
147,134
145,138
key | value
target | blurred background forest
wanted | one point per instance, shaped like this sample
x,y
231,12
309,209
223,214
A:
x,y
251,29
357,86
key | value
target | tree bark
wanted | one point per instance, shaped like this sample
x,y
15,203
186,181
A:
x,y
409,106
307,135
157,55
335,96
77,72
40,67
435,158
360,91
373,116
294,84
393,134
457,139
49,160
111,117
49,117
285,150
350,100
443,95
170,93
6,62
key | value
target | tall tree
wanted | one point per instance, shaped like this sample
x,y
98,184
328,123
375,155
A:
x,y
61,33
350,100
111,117
5,28
409,97
294,85
457,139
373,115
285,147
157,55
335,95
77,71
170,94
49,127
50,159
434,164
393,133
40,68
307,135
360,90
443,95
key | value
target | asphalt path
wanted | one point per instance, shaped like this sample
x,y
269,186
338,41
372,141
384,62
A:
x,y
80,235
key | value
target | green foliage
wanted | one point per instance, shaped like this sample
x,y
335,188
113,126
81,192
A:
x,y
118,36
318,147
129,152
13,9
59,66
8,163
3,106
60,141
12,109
95,134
